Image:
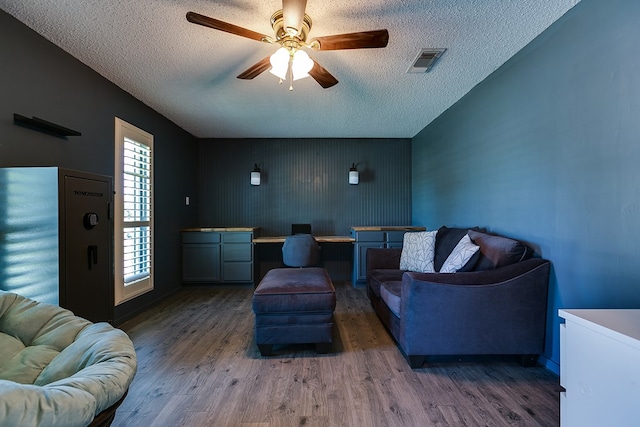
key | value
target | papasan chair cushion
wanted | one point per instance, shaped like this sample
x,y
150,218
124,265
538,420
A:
x,y
57,369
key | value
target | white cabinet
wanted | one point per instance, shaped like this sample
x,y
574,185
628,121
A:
x,y
600,368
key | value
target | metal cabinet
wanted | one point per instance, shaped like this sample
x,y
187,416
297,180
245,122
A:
x,y
57,238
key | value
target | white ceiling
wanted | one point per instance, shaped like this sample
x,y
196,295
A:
x,y
188,72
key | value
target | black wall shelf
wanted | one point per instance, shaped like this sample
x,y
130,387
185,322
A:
x,y
44,126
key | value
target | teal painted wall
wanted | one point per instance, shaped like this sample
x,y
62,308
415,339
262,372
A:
x,y
547,150
305,181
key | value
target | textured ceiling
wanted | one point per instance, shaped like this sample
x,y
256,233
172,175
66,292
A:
x,y
188,72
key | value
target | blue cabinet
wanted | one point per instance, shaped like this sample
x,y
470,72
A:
x,y
237,257
220,256
374,237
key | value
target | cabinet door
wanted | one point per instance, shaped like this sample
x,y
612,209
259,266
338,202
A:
x,y
201,262
360,262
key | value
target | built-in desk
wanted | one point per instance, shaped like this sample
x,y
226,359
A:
x,y
239,255
319,239
335,255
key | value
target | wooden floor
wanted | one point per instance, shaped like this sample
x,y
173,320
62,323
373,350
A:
x,y
199,366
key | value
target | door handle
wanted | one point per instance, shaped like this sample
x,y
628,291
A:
x,y
92,255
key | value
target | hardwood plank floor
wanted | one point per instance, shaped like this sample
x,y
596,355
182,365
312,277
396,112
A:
x,y
199,366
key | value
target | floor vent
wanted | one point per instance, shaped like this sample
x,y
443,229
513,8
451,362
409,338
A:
x,y
425,60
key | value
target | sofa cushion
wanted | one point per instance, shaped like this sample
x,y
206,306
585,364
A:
x,y
378,277
447,239
460,256
292,290
418,251
498,251
390,294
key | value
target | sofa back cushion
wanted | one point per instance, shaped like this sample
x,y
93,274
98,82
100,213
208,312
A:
x,y
447,239
498,251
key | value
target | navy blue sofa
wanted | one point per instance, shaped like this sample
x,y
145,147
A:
x,y
495,305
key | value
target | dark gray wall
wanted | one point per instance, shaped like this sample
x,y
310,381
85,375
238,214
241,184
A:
x,y
305,181
546,150
39,79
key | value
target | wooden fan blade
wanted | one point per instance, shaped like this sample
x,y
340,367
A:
x,y
293,14
322,76
256,69
361,40
216,24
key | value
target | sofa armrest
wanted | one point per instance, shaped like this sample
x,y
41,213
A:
x,y
383,258
500,311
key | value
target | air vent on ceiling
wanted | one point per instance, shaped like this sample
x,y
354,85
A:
x,y
425,60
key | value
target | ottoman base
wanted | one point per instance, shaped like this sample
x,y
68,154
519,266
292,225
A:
x,y
321,348
294,306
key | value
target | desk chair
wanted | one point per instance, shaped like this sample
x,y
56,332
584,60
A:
x,y
300,250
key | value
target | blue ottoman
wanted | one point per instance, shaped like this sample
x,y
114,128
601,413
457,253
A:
x,y
294,305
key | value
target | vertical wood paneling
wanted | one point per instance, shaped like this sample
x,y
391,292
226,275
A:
x,y
305,181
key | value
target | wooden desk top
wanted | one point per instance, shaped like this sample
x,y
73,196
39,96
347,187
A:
x,y
220,229
388,228
319,239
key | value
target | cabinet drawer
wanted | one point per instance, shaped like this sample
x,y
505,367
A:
x,y
370,236
200,237
395,236
237,252
237,272
237,237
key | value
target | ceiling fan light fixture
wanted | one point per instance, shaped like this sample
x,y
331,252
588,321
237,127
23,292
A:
x,y
280,63
291,26
301,65
297,60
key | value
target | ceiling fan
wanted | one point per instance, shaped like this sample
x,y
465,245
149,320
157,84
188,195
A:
x,y
291,26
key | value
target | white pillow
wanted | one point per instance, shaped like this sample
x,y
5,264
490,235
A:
x,y
418,249
460,255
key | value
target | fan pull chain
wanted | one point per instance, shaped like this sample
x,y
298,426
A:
x,y
291,73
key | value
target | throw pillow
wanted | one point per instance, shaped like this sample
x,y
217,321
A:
x,y
417,251
497,251
460,255
447,239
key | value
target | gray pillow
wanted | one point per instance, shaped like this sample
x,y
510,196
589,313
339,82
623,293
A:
x,y
498,251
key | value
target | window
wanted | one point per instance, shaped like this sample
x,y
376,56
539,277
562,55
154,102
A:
x,y
133,212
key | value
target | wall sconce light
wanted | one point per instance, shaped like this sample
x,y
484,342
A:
x,y
354,178
255,175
